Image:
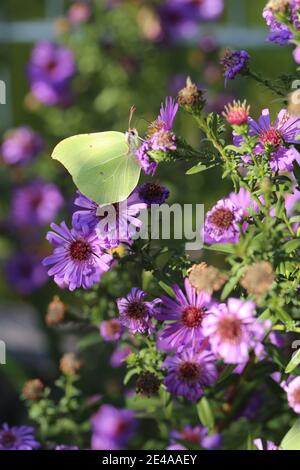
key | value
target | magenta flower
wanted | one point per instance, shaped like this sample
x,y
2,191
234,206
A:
x,y
77,259
17,438
36,203
21,145
232,331
111,330
184,316
293,394
137,314
189,372
222,223
274,137
114,223
112,428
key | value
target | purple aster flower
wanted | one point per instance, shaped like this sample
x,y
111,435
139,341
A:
x,y
295,14
79,12
17,438
25,272
189,372
293,394
119,355
233,330
77,259
137,314
180,18
160,136
222,223
279,32
296,55
234,63
274,137
152,193
50,71
112,428
198,435
186,313
66,447
35,203
292,201
111,330
21,145
114,223
270,445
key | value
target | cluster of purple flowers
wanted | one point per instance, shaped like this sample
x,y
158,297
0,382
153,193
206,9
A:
x,y
160,137
50,72
17,438
112,428
83,253
283,20
21,145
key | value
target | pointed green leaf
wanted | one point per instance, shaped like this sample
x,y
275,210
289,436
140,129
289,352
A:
x,y
291,440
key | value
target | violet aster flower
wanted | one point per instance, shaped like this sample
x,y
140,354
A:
x,y
21,145
35,203
269,445
112,428
114,223
119,355
77,259
222,223
160,136
293,394
189,372
274,137
50,71
25,272
136,313
111,330
234,63
185,314
198,435
152,193
233,330
279,32
17,438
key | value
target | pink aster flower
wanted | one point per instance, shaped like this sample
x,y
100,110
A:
x,y
233,330
222,223
293,394
269,445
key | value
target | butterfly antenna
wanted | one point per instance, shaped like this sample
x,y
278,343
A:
x,y
131,113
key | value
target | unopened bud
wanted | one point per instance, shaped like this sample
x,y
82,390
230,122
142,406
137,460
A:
x,y
56,312
69,364
33,390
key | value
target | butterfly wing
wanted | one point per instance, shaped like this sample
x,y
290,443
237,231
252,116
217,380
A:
x,y
102,165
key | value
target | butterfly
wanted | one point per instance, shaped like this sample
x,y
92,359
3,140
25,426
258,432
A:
x,y
103,164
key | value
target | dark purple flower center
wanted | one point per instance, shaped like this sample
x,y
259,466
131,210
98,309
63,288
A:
x,y
80,250
222,218
122,427
271,137
151,192
51,66
192,316
136,309
190,436
230,329
8,439
188,371
36,200
113,327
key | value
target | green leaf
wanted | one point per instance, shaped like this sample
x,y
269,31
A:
x,y
223,248
294,362
291,245
167,289
198,168
205,413
102,165
291,440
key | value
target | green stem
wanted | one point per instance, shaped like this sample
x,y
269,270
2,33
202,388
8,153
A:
x,y
267,83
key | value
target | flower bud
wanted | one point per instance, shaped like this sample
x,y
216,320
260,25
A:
x,y
56,312
33,390
147,384
258,278
206,278
69,364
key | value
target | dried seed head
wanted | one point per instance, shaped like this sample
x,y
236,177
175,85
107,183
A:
x,y
294,103
191,96
277,6
33,390
206,278
147,384
69,364
56,312
258,278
